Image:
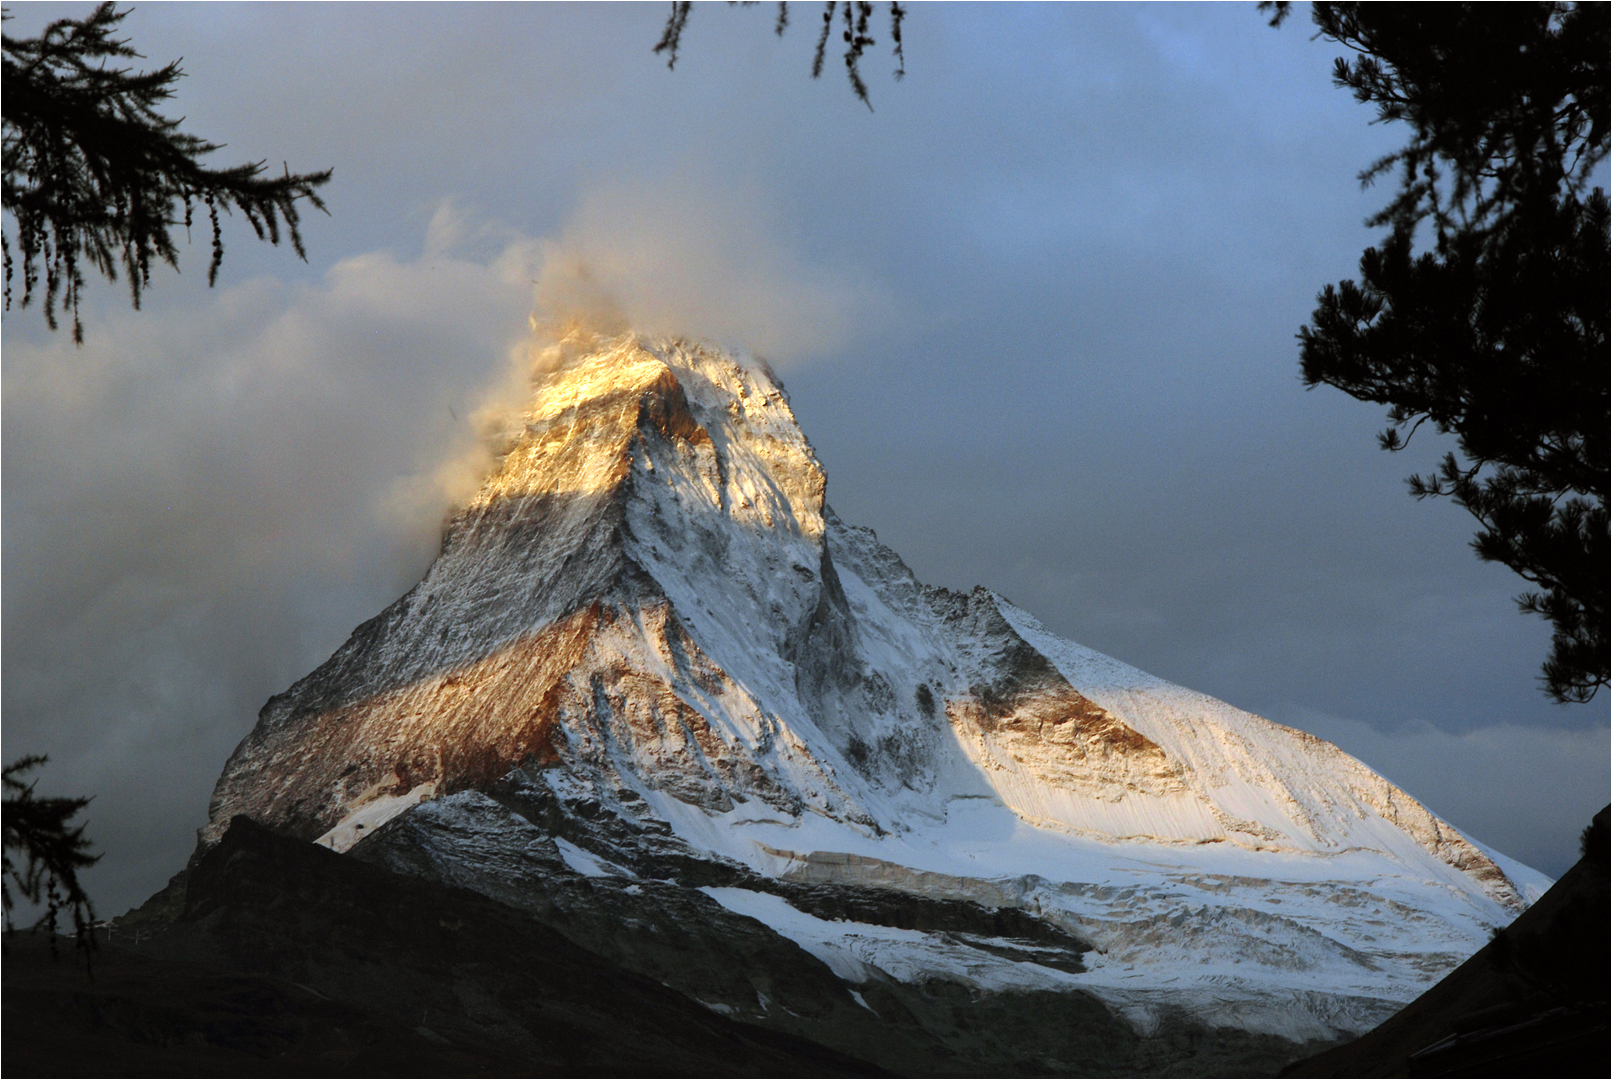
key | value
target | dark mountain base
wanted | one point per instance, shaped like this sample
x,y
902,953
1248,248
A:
x,y
290,960
272,956
145,1016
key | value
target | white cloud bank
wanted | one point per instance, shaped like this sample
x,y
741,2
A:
x,y
688,256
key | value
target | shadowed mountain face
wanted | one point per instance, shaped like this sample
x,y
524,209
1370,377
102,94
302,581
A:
x,y
652,681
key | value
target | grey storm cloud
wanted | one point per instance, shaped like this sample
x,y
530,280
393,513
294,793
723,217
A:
x,y
1036,313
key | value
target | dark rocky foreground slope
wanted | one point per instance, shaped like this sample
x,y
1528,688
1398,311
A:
x,y
1532,1002
279,958
272,956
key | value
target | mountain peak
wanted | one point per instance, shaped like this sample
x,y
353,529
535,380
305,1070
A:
x,y
648,634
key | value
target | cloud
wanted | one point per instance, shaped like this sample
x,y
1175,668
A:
x,y
199,504
202,501
679,253
1526,791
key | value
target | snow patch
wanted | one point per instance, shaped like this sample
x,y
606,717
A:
x,y
369,816
858,952
588,864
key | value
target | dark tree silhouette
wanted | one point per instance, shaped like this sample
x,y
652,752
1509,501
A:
x,y
95,175
43,854
1484,309
855,17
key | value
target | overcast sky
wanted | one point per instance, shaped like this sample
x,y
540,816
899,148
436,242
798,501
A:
x,y
1036,312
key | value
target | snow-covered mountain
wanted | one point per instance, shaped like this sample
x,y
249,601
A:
x,y
650,656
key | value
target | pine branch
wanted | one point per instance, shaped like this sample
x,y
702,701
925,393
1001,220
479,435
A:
x,y
51,853
672,35
1497,333
95,176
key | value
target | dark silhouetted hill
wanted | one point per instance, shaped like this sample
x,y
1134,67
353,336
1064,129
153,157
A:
x,y
1533,1002
286,959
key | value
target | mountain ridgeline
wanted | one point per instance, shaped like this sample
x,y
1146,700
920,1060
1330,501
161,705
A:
x,y
657,696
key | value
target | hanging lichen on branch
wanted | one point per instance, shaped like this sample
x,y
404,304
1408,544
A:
x,y
855,17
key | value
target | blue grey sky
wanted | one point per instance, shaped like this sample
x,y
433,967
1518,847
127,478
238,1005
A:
x,y
1036,312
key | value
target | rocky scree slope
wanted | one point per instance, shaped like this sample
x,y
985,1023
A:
x,y
652,672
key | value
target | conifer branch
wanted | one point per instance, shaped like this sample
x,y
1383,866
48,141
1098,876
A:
x,y
96,177
50,854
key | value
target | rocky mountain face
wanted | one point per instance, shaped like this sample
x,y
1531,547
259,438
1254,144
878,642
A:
x,y
656,695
